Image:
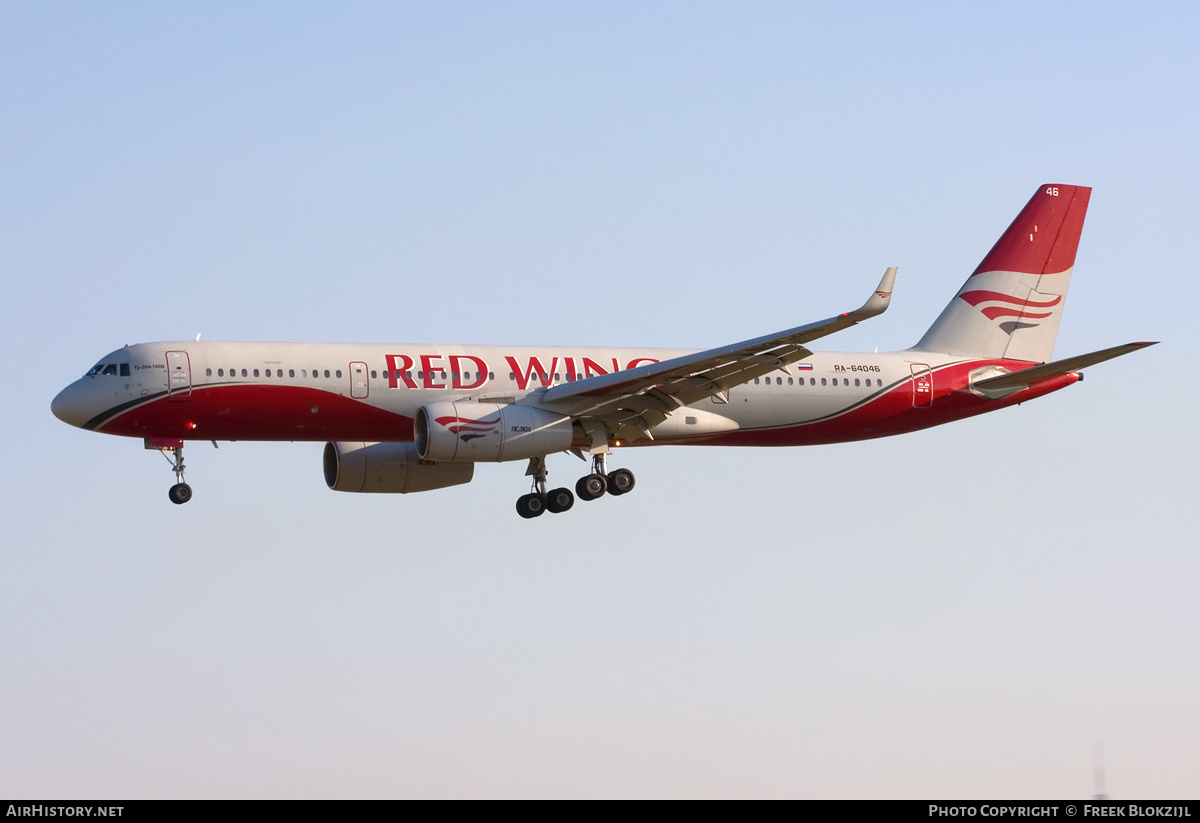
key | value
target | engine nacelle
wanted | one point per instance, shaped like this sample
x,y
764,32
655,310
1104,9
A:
x,y
489,432
389,468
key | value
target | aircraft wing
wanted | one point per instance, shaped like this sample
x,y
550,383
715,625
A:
x,y
631,402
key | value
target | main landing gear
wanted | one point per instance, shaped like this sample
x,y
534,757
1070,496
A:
x,y
590,487
181,492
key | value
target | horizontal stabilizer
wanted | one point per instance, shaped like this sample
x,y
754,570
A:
x,y
1030,377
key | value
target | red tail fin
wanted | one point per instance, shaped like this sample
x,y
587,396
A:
x,y
1045,235
1012,303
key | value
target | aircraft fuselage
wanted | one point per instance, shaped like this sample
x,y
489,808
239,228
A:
x,y
371,392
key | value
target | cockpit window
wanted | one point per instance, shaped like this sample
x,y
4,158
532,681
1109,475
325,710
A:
x,y
107,368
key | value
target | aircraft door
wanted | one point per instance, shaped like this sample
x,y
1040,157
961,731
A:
x,y
360,387
179,375
922,386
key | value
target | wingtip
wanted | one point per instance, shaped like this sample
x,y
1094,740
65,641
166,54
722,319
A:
x,y
878,302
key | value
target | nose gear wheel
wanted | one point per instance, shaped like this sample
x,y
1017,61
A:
x,y
181,492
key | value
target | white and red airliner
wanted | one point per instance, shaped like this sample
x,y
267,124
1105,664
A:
x,y
412,418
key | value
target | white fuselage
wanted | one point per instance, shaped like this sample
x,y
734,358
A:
x,y
371,392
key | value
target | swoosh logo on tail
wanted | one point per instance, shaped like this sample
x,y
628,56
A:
x,y
1009,306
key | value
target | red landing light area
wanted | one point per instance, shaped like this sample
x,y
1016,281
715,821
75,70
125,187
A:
x,y
254,412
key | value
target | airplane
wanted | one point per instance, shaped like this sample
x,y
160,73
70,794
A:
x,y
413,418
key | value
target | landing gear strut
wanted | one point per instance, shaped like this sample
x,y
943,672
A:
x,y
594,485
601,482
181,492
590,487
539,500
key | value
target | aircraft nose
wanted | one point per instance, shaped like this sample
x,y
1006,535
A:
x,y
70,405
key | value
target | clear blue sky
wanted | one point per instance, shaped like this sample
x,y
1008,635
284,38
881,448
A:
x,y
961,612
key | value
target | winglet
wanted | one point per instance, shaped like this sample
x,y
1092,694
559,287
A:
x,y
878,302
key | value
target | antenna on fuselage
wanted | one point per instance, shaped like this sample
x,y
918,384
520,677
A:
x,y
198,337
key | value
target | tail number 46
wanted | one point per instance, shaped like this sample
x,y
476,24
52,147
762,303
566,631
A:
x,y
1052,191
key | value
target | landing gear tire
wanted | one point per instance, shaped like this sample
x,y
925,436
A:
x,y
591,487
530,505
559,500
180,493
620,482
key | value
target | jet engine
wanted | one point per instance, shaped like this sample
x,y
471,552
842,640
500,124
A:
x,y
489,432
388,468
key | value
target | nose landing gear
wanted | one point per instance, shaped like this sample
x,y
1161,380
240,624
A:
x,y
181,492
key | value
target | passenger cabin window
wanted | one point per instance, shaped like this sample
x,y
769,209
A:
x,y
208,372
